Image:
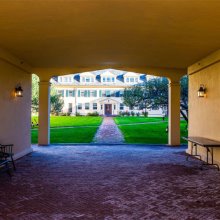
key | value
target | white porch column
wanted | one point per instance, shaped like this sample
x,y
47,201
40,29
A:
x,y
174,113
44,113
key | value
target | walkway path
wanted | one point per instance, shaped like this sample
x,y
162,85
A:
x,y
108,133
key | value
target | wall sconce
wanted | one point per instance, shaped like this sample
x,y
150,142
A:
x,y
201,91
18,91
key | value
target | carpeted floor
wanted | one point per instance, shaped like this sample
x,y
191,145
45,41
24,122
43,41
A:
x,y
109,182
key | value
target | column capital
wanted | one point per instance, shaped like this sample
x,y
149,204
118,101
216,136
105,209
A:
x,y
174,83
44,83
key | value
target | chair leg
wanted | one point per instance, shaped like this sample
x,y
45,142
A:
x,y
13,163
8,170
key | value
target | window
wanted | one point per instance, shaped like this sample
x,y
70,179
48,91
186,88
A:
x,y
108,79
136,79
82,93
93,93
114,107
86,93
65,79
121,93
94,106
86,106
87,79
79,93
113,79
83,79
117,94
60,79
92,79
67,93
131,80
61,93
100,93
70,107
101,107
108,93
71,93
121,106
79,106
127,80
103,79
70,79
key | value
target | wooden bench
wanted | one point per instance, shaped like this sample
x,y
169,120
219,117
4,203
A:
x,y
208,144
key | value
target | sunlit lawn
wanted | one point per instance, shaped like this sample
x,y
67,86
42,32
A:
x,y
147,133
131,120
77,134
64,121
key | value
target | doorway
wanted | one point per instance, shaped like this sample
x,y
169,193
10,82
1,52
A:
x,y
108,109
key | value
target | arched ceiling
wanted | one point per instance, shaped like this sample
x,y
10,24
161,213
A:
x,y
110,33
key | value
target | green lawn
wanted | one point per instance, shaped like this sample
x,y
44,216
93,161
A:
x,y
70,135
147,133
68,121
131,120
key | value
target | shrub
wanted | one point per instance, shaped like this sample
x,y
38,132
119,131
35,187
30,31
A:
x,y
132,113
93,114
138,114
145,114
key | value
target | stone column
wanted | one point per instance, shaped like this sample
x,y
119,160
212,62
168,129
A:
x,y
174,114
44,113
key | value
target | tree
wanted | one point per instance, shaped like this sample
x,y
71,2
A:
x,y
56,101
184,97
154,94
35,93
133,96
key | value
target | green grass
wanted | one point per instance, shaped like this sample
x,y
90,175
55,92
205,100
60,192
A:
x,y
68,121
148,133
68,135
131,120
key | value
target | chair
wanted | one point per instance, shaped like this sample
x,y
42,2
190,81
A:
x,y
6,152
4,166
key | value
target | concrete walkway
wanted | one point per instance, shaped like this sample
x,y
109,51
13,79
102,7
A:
x,y
108,133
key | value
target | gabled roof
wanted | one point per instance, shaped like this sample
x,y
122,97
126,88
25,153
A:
x,y
131,74
107,73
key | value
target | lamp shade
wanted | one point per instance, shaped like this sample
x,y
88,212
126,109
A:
x,y
18,91
201,91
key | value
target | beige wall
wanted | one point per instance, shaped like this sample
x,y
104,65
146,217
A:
x,y
204,113
15,113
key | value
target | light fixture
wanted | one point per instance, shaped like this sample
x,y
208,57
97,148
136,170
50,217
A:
x,y
18,91
201,91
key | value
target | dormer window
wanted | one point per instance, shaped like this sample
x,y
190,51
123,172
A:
x,y
108,79
87,79
113,79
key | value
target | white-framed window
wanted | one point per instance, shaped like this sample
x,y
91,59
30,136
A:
x,y
60,78
131,80
113,79
103,79
121,106
79,106
86,106
108,79
87,79
136,79
94,106
127,79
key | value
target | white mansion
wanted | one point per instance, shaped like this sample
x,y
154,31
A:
x,y
98,91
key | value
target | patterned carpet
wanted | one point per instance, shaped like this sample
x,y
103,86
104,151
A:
x,y
109,182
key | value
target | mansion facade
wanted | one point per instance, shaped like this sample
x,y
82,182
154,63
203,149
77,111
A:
x,y
98,91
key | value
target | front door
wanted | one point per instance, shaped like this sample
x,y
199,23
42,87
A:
x,y
108,109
